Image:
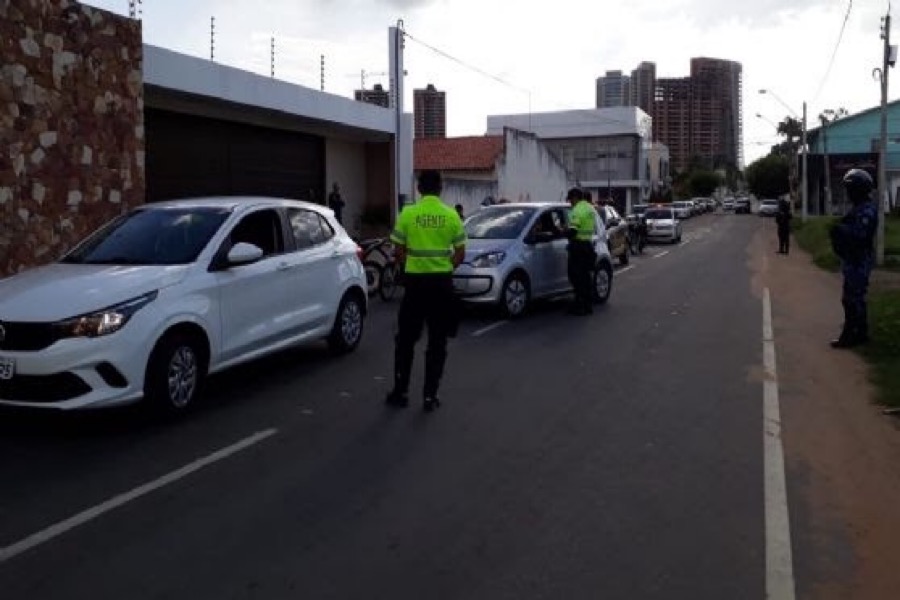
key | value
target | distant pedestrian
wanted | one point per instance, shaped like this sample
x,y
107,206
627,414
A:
x,y
459,211
336,203
429,240
783,221
853,241
582,222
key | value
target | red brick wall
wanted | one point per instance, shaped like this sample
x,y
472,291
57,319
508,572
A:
x,y
71,125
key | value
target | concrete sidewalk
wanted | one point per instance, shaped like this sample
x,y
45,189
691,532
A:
x,y
841,453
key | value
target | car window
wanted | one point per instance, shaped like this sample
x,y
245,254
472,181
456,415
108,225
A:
x,y
498,223
658,213
262,229
612,213
309,228
153,236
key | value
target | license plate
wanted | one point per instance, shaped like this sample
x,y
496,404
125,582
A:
x,y
7,368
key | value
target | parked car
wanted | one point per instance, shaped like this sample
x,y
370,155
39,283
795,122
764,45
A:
x,y
662,224
728,204
151,303
616,233
768,208
517,253
637,211
682,209
742,206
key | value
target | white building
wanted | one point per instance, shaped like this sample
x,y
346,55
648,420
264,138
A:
x,y
514,166
605,150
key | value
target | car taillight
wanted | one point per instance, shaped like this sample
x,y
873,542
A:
x,y
360,253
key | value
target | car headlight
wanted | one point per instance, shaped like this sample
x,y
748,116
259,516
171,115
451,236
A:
x,y
491,259
105,321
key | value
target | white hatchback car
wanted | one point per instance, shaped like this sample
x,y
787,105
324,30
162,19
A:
x,y
155,300
662,224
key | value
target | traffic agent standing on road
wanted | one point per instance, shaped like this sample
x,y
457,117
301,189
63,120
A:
x,y
783,220
582,223
430,242
853,241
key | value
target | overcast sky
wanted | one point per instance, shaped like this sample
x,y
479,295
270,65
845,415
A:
x,y
556,50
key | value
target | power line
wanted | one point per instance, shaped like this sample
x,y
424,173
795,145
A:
x,y
834,53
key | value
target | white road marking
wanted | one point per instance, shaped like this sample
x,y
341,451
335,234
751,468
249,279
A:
x,y
779,560
490,327
92,513
661,254
624,270
686,242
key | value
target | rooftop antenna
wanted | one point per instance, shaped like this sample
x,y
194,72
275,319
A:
x,y
212,38
272,58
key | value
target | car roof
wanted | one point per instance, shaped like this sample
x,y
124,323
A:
x,y
529,205
232,202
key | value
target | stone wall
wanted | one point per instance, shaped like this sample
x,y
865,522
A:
x,y
71,125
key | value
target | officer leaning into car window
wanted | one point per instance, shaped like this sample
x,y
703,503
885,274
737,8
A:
x,y
430,243
582,223
853,241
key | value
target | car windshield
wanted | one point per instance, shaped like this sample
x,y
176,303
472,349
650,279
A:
x,y
498,223
770,203
679,204
639,210
658,213
169,236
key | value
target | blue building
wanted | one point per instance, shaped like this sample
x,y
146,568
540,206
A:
x,y
852,142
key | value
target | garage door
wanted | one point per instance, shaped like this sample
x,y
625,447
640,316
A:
x,y
191,156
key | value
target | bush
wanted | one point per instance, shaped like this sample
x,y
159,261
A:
x,y
813,237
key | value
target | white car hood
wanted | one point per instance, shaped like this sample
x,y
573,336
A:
x,y
60,291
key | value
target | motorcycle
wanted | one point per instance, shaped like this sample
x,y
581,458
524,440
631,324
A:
x,y
637,235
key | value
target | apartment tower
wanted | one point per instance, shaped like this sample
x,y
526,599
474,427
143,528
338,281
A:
x,y
430,113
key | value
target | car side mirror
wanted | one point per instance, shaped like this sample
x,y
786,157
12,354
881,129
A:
x,y
243,254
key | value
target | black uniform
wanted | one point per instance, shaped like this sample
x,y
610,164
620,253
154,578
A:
x,y
783,220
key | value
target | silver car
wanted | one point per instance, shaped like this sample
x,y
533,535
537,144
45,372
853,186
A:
x,y
682,209
768,208
517,253
662,224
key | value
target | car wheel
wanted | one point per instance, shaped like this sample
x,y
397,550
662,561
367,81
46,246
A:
x,y
602,283
516,296
348,324
175,373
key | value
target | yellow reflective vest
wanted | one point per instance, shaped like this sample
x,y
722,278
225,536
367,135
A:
x,y
583,220
430,230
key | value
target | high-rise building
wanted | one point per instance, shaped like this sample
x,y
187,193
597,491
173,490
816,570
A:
x,y
377,95
643,87
613,89
672,119
716,121
430,112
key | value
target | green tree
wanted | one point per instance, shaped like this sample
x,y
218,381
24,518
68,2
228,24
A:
x,y
768,176
703,183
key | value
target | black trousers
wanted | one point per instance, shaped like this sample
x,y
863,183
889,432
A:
x,y
428,300
784,239
581,266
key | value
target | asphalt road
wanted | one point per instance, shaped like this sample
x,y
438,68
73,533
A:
x,y
615,456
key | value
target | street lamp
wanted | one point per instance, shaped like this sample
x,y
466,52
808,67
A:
x,y
803,190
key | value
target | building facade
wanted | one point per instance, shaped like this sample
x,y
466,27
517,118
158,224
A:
x,y
672,118
603,150
377,96
643,87
430,112
513,166
613,89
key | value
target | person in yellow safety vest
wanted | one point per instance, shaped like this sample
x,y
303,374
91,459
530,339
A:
x,y
582,225
430,242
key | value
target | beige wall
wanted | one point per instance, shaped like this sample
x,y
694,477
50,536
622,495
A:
x,y
71,125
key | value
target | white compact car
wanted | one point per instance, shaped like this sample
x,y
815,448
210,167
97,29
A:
x,y
662,224
154,301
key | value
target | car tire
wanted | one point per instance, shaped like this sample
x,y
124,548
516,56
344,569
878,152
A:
x,y
603,280
175,373
349,322
515,296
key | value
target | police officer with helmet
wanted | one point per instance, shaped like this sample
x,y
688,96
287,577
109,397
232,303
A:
x,y
582,223
853,241
430,242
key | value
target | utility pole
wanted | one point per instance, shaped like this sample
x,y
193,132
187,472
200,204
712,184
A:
x,y
212,39
804,192
827,166
882,147
322,72
272,58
